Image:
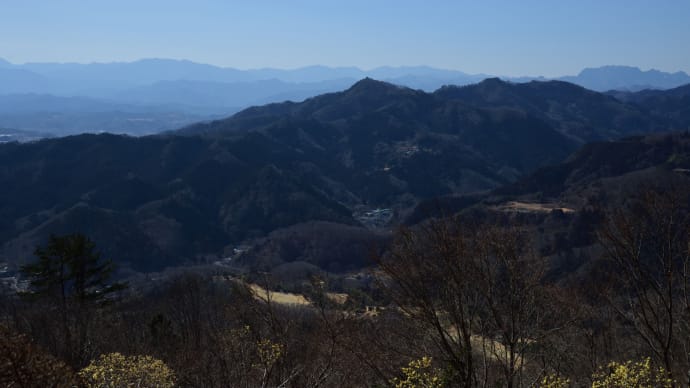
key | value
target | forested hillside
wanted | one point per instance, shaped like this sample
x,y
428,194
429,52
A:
x,y
196,194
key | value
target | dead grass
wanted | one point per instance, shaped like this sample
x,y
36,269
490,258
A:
x,y
527,207
284,298
338,298
494,350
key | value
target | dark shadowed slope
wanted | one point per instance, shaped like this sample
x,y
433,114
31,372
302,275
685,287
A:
x,y
618,166
576,112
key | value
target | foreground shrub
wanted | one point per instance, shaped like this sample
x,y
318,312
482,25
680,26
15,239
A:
x,y
420,374
554,381
632,374
116,370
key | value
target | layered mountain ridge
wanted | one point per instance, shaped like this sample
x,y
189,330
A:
x,y
373,150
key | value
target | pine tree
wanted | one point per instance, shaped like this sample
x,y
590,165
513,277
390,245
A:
x,y
72,279
70,268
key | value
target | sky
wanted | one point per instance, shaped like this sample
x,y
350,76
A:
x,y
510,37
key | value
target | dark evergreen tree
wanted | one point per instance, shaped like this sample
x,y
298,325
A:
x,y
73,281
70,268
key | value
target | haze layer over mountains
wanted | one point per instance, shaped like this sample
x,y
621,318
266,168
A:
x,y
154,95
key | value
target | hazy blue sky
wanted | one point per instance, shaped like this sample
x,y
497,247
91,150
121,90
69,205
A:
x,y
512,37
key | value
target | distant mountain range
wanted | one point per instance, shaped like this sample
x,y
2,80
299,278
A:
x,y
101,79
339,158
626,78
162,94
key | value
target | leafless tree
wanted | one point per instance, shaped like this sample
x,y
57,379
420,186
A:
x,y
478,290
509,276
646,244
428,277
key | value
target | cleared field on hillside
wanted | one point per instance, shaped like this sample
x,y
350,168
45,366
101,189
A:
x,y
285,298
531,207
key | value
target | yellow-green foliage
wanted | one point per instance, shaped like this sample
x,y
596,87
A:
x,y
639,374
419,374
269,351
554,381
115,370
